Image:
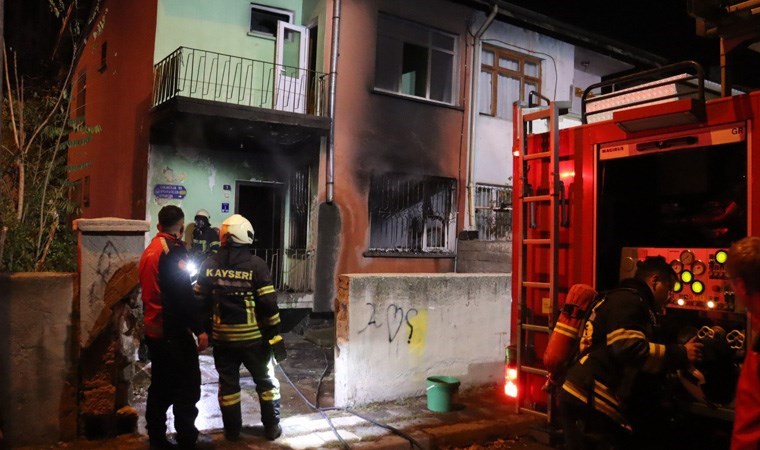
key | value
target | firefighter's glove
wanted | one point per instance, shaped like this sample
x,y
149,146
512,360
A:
x,y
278,348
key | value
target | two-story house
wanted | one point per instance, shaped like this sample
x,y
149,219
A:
x,y
224,105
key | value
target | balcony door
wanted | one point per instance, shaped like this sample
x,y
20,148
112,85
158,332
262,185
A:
x,y
291,82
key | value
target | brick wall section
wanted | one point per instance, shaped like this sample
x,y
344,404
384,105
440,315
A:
x,y
474,256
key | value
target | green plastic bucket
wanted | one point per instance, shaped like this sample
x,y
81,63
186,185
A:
x,y
441,391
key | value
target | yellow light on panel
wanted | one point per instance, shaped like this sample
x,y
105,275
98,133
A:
x,y
721,256
677,287
697,287
687,277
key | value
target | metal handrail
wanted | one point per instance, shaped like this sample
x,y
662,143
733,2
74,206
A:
x,y
202,74
291,269
642,77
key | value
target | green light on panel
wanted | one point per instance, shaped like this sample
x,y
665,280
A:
x,y
687,277
721,256
697,287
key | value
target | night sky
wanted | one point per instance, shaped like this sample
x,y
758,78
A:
x,y
662,27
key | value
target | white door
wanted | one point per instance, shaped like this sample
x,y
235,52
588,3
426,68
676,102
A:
x,y
291,82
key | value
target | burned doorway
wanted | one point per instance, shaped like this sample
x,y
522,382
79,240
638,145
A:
x,y
262,204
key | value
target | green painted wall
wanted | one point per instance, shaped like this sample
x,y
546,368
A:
x,y
203,176
217,25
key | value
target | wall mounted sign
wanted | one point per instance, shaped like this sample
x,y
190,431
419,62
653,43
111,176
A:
x,y
227,187
174,191
225,207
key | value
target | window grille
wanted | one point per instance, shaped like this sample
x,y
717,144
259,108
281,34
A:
x,y
299,208
493,212
411,214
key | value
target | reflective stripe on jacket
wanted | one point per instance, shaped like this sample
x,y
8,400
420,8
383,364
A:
x,y
238,288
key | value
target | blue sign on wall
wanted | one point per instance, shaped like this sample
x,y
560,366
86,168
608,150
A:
x,y
225,207
174,191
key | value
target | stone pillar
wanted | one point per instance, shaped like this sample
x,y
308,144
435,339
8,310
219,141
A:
x,y
110,321
105,245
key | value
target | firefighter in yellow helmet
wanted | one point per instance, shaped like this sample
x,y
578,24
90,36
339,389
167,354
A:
x,y
245,329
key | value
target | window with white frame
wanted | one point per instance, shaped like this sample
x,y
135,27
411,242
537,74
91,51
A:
x,y
506,77
415,60
264,19
411,214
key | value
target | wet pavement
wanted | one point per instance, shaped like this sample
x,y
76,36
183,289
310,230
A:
x,y
306,365
483,418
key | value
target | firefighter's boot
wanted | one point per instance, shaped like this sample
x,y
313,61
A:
x,y
231,416
270,417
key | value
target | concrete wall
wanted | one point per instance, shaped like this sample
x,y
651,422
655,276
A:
x,y
395,330
475,256
37,347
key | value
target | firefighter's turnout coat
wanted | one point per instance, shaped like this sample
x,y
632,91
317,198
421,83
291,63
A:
x,y
618,357
237,287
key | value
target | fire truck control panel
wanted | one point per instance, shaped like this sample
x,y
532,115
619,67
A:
x,y
702,280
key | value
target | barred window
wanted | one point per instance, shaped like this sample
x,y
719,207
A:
x,y
411,214
493,212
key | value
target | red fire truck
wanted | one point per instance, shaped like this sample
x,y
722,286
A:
x,y
654,169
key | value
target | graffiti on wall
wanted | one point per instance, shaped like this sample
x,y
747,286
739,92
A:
x,y
109,260
394,317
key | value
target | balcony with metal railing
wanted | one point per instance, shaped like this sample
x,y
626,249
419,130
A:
x,y
217,77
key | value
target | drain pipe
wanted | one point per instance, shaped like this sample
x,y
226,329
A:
x,y
473,87
335,40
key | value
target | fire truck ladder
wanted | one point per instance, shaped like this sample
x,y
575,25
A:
x,y
534,236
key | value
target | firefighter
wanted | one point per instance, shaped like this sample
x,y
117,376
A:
x,y
743,266
205,238
172,316
237,286
610,398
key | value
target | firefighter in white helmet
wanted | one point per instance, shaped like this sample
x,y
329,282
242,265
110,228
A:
x,y
245,329
205,238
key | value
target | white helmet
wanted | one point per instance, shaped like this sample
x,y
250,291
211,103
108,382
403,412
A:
x,y
236,229
204,213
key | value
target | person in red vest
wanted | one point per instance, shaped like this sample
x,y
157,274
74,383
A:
x,y
743,267
172,316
